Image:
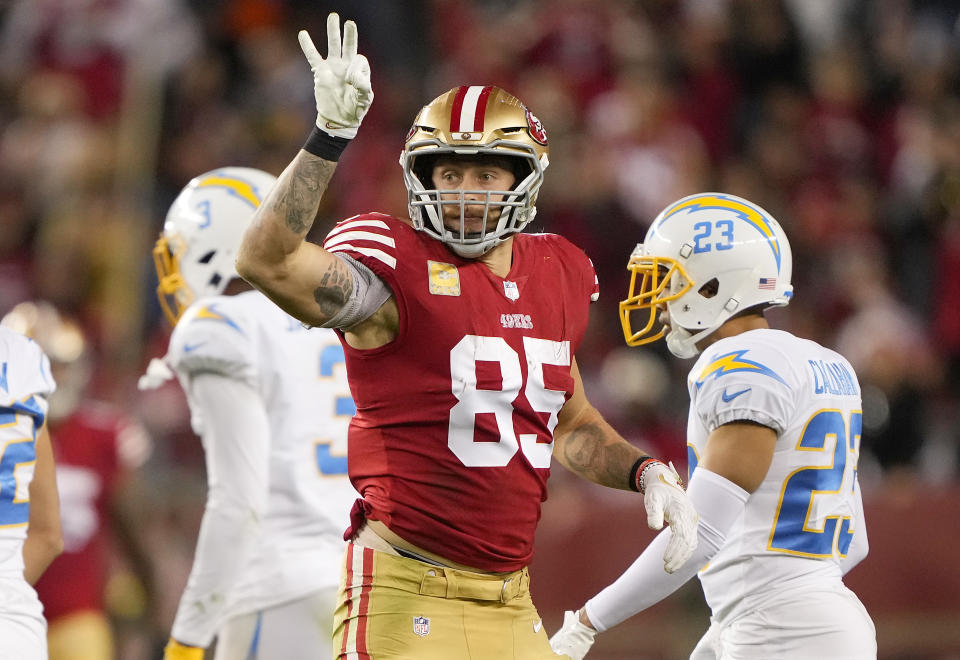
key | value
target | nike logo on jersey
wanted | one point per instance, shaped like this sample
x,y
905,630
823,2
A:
x,y
189,348
537,625
727,398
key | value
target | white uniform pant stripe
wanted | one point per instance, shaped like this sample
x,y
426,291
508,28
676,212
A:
x,y
354,592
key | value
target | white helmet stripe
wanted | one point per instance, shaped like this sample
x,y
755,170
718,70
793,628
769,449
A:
x,y
473,109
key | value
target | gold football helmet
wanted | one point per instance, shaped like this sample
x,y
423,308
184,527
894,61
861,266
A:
x,y
474,121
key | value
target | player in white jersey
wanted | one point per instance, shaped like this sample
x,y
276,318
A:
x,y
30,535
270,401
773,440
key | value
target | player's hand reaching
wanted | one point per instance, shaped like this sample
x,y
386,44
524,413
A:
x,y
574,638
665,500
341,82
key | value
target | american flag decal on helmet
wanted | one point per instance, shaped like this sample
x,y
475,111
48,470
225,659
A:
x,y
469,109
769,283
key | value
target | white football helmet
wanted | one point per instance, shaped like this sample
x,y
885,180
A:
x,y
195,253
705,258
472,121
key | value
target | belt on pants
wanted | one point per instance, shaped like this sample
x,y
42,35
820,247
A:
x,y
442,582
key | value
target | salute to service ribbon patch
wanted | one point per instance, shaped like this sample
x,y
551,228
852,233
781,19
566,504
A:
x,y
444,278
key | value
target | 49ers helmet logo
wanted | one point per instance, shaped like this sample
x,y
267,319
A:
x,y
535,128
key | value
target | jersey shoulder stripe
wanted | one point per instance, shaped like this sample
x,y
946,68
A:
x,y
371,235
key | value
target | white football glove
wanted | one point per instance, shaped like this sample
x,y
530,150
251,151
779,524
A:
x,y
573,639
157,374
341,83
665,499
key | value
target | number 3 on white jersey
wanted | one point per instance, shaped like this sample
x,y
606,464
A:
x,y
472,401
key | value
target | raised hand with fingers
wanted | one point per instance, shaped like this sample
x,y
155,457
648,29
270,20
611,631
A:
x,y
341,82
665,500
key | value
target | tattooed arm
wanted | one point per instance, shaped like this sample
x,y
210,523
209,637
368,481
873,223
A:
x,y
586,444
301,277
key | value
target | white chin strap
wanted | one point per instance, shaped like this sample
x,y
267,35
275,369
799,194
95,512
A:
x,y
680,343
683,344
473,250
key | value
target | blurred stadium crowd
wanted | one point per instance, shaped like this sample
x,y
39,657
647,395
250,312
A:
x,y
841,117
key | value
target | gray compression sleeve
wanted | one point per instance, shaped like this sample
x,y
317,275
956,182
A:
x,y
369,294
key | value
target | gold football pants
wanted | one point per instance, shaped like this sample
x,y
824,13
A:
x,y
84,635
394,608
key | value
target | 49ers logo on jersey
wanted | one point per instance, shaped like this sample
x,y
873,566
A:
x,y
536,129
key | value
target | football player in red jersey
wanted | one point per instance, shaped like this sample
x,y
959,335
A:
x,y
97,449
459,333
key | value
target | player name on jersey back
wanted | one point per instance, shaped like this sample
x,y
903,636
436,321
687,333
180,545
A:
x,y
832,378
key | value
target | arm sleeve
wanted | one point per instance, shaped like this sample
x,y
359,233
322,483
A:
x,y
236,443
369,294
859,546
720,504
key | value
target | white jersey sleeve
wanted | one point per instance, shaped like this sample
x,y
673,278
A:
x,y
25,384
24,372
746,386
236,443
215,335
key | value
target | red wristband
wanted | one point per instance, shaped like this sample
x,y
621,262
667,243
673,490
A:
x,y
636,472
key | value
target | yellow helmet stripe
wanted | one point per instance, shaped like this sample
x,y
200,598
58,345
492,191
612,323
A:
x,y
743,210
238,187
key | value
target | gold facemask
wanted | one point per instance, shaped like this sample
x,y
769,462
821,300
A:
x,y
653,281
172,291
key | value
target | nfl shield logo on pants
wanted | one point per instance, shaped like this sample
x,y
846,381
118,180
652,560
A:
x,y
421,626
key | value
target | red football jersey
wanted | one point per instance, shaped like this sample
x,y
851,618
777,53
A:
x,y
92,448
451,443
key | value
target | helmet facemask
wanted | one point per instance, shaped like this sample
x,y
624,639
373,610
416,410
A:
x,y
173,292
654,282
515,205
